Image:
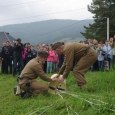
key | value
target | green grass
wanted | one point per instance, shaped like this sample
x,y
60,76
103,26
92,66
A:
x,y
97,99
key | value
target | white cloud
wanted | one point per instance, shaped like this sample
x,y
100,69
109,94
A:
x,y
12,11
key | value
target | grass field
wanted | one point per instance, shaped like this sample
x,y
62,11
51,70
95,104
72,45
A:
x,y
97,99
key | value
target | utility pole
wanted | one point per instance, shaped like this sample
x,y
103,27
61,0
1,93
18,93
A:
x,y
107,28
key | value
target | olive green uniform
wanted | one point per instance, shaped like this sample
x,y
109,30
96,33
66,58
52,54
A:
x,y
32,70
79,58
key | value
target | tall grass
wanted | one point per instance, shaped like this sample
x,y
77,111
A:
x,y
97,99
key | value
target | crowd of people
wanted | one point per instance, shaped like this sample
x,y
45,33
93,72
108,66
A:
x,y
15,56
27,62
105,55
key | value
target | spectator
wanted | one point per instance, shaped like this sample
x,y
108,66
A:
x,y
50,61
17,57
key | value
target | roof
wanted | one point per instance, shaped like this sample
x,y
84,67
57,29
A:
x,y
4,36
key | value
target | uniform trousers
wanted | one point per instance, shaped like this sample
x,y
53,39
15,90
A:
x,y
36,86
83,65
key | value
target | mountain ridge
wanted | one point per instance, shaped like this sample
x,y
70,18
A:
x,y
47,31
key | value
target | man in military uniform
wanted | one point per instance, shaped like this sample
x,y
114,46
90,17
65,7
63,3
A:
x,y
33,69
77,57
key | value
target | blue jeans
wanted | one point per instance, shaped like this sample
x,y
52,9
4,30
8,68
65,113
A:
x,y
50,67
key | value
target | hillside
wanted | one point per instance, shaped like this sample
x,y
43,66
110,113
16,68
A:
x,y
47,31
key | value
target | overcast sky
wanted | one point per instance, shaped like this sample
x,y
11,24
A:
x,y
24,11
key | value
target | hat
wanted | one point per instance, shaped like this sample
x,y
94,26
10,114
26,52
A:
x,y
55,87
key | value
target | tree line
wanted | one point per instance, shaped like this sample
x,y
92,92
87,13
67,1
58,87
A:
x,y
102,9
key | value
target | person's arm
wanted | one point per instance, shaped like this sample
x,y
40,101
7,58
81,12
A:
x,y
69,58
68,62
61,70
39,70
2,53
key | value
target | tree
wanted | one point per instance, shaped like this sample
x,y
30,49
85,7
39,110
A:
x,y
102,9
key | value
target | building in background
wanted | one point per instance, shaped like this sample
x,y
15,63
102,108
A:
x,y
4,36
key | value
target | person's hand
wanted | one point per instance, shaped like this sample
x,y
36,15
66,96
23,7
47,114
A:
x,y
61,79
55,79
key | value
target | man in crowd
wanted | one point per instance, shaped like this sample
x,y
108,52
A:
x,y
6,56
17,56
77,57
28,76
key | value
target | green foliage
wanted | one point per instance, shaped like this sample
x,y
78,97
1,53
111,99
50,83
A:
x,y
98,98
102,9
